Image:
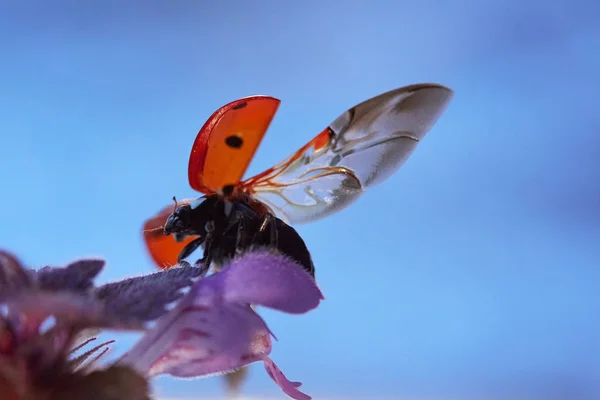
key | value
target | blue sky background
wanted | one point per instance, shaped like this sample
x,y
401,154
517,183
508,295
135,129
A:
x,y
473,271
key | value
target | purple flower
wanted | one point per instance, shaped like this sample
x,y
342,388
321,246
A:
x,y
45,316
214,329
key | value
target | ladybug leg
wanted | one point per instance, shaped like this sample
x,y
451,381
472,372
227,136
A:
x,y
207,258
202,265
239,221
189,249
237,226
269,222
240,239
274,231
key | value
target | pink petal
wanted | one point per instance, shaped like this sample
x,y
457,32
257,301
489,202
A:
x,y
270,280
201,336
288,387
28,310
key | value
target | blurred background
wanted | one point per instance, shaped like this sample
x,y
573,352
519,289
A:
x,y
473,273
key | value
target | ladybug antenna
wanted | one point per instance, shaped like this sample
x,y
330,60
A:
x,y
158,228
175,206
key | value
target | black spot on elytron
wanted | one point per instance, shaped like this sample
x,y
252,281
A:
x,y
241,105
235,142
227,190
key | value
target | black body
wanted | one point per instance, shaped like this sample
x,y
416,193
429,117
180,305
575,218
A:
x,y
226,227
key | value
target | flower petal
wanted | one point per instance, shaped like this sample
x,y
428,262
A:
x,y
214,329
288,387
77,276
28,310
201,336
13,276
145,298
271,280
43,324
